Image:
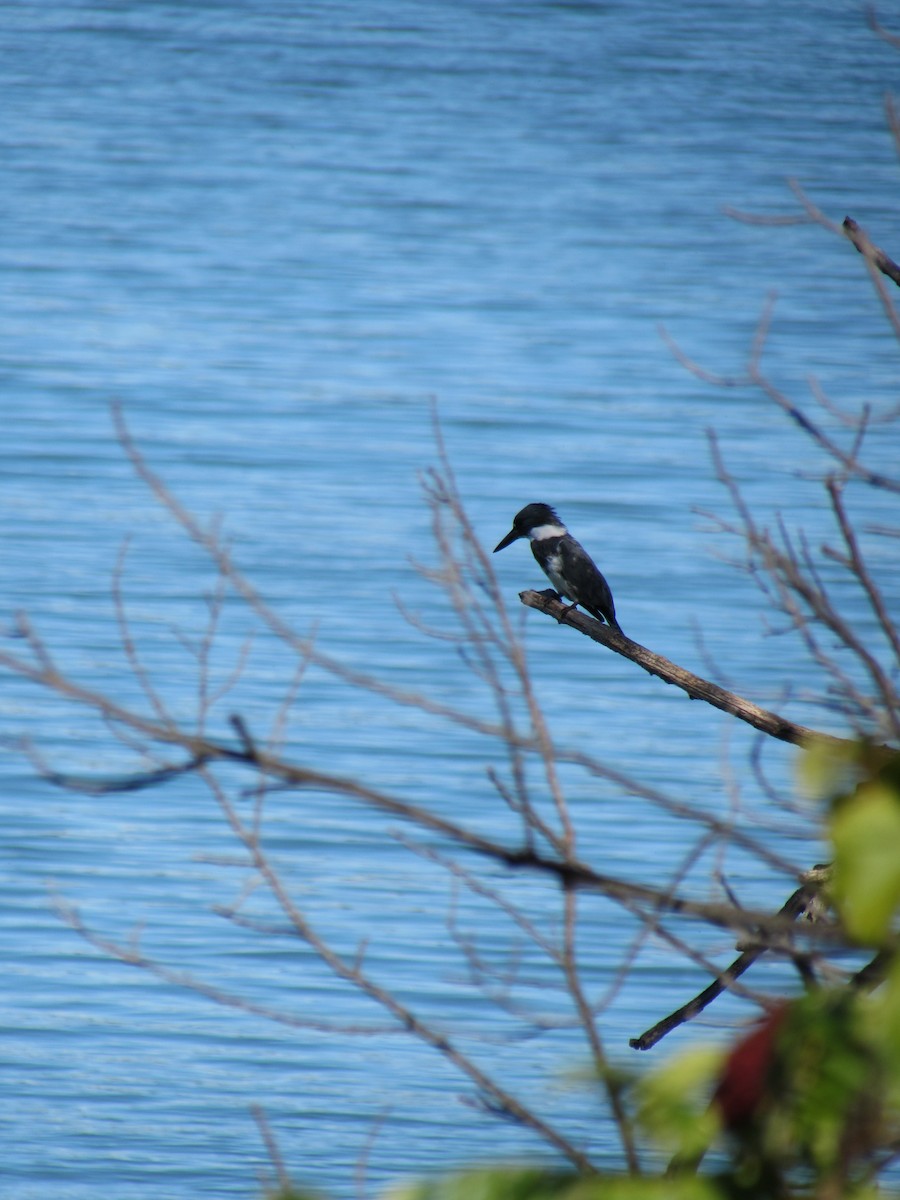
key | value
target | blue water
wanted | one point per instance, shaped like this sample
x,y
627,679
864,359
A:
x,y
280,235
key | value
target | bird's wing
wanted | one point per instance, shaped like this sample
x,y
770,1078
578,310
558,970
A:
x,y
587,586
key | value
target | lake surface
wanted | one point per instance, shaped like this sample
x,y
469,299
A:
x,y
280,235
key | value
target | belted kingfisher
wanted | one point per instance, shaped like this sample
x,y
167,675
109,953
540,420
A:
x,y
564,561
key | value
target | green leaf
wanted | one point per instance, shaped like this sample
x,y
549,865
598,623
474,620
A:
x,y
517,1183
827,770
865,828
674,1101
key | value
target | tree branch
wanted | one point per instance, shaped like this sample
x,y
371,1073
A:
x,y
797,905
870,251
695,686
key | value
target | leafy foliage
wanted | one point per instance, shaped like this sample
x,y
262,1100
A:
x,y
865,828
532,1184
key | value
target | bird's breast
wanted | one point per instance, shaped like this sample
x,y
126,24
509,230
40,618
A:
x,y
553,566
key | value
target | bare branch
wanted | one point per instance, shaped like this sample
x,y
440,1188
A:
x,y
655,664
878,264
872,253
354,974
801,594
771,220
858,566
131,954
265,1131
128,644
794,907
611,1082
879,30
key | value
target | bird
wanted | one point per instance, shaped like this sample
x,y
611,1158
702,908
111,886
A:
x,y
564,561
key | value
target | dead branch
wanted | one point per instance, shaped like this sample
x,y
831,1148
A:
x,y
856,564
872,253
797,905
794,584
696,687
265,1131
206,750
131,954
352,972
878,29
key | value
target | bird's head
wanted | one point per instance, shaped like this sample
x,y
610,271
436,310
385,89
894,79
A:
x,y
532,516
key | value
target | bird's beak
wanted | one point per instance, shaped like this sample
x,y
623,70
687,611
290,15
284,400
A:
x,y
511,537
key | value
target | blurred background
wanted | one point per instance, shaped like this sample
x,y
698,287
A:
x,y
280,235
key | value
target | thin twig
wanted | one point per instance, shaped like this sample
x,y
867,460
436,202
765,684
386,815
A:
x,y
265,1132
